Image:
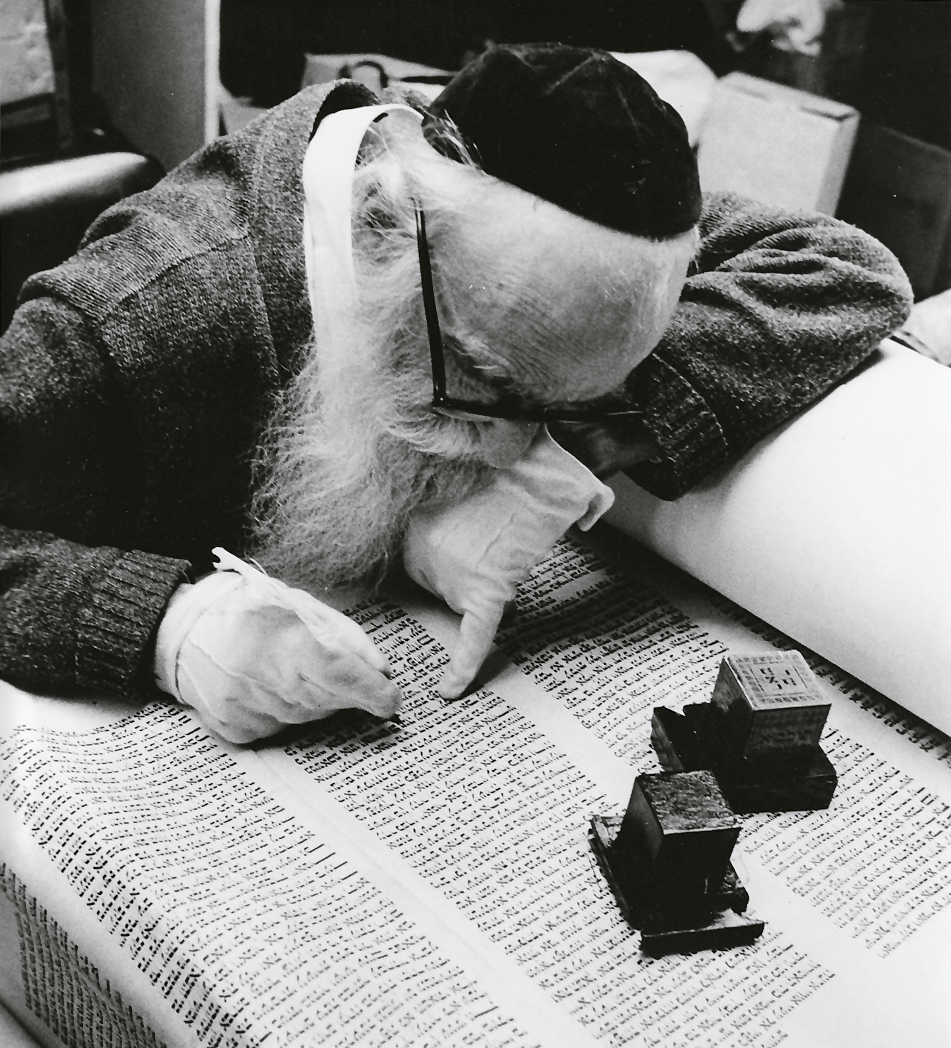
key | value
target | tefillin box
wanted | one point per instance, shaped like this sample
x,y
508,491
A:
x,y
667,861
759,734
769,708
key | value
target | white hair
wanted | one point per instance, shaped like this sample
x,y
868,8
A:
x,y
353,446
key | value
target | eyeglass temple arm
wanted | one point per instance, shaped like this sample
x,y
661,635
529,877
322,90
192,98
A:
x,y
429,306
437,353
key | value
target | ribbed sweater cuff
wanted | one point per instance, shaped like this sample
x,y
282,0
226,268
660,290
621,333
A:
x,y
117,625
683,427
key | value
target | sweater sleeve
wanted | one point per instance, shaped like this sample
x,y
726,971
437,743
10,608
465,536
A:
x,y
76,613
778,307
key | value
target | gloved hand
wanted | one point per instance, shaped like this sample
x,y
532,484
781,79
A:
x,y
475,552
609,446
253,655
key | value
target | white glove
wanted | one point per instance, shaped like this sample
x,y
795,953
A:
x,y
252,655
475,552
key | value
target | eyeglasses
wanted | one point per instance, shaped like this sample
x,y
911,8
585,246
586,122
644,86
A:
x,y
508,406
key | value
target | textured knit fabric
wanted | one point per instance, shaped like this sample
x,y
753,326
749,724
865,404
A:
x,y
137,375
778,308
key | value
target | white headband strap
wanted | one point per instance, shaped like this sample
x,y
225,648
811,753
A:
x,y
327,177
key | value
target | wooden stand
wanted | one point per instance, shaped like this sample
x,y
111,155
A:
x,y
689,741
671,876
759,735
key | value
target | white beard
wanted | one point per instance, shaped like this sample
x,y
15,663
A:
x,y
352,450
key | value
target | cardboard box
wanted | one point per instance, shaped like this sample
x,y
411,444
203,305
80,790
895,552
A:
x,y
321,69
776,144
899,190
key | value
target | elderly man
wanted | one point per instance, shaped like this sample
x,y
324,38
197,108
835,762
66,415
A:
x,y
349,332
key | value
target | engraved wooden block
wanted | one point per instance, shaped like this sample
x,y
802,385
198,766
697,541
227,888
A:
x,y
687,741
677,741
770,705
810,790
722,930
716,921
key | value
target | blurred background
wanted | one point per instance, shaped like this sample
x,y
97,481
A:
x,y
866,83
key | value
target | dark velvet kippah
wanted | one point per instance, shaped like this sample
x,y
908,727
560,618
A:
x,y
579,128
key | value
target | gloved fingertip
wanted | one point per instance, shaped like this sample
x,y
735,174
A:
x,y
375,661
230,732
387,702
452,686
374,658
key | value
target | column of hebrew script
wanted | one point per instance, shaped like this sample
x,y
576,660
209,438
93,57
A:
x,y
252,929
608,647
493,816
62,987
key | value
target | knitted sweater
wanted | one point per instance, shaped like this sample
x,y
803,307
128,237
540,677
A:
x,y
137,375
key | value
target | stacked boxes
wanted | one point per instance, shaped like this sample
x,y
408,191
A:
x,y
668,863
753,747
759,734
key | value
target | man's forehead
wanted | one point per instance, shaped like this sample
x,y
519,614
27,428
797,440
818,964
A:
x,y
511,220
562,306
524,245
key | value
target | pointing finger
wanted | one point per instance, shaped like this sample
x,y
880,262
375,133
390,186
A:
x,y
345,681
476,634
